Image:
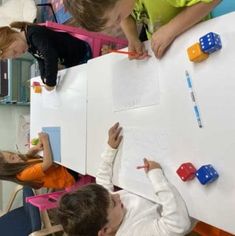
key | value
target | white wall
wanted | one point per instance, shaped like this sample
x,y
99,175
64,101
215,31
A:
x,y
9,136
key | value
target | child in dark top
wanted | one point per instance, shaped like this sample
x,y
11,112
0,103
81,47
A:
x,y
47,46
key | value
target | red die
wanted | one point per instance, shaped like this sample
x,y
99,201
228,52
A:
x,y
186,171
35,83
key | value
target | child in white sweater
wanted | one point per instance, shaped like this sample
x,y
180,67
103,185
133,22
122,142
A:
x,y
95,210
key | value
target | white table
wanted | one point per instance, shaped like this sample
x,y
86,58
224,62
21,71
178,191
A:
x,y
66,108
168,132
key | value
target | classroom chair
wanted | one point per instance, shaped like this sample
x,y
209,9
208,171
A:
x,y
224,7
26,220
16,190
43,5
49,201
95,40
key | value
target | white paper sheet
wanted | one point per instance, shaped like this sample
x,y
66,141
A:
x,y
50,99
142,143
135,84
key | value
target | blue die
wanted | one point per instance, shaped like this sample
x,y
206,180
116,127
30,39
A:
x,y
210,42
206,174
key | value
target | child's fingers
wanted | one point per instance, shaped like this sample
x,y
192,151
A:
x,y
160,52
119,139
134,54
143,56
43,137
117,132
145,161
132,57
146,164
113,128
139,56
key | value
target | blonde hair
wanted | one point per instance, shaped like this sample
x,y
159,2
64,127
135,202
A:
x,y
8,35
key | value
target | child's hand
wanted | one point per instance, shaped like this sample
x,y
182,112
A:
x,y
138,49
39,146
43,138
105,49
49,88
114,136
161,40
150,165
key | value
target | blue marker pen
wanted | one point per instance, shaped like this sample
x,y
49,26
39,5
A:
x,y
195,106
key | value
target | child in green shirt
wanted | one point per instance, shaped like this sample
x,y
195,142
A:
x,y
164,20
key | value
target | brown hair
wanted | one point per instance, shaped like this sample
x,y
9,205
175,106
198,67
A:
x,y
7,34
84,212
9,171
89,13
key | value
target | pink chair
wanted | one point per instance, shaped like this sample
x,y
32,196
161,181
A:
x,y
95,40
50,200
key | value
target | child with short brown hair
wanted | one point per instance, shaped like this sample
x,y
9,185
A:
x,y
164,20
95,210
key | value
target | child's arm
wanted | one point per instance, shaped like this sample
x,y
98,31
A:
x,y
47,154
49,64
129,28
34,150
174,218
105,171
166,34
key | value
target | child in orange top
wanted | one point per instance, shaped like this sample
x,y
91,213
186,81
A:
x,y
34,171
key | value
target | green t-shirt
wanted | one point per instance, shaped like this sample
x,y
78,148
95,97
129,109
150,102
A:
x,y
155,13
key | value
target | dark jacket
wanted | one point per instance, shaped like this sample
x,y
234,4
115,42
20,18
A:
x,y
50,48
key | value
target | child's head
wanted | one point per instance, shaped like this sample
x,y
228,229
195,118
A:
x,y
91,211
12,45
12,157
100,14
12,164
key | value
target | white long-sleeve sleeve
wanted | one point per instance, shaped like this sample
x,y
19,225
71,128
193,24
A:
x,y
174,218
167,216
105,171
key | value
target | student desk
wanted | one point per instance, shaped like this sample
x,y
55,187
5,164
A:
x,y
168,132
65,109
